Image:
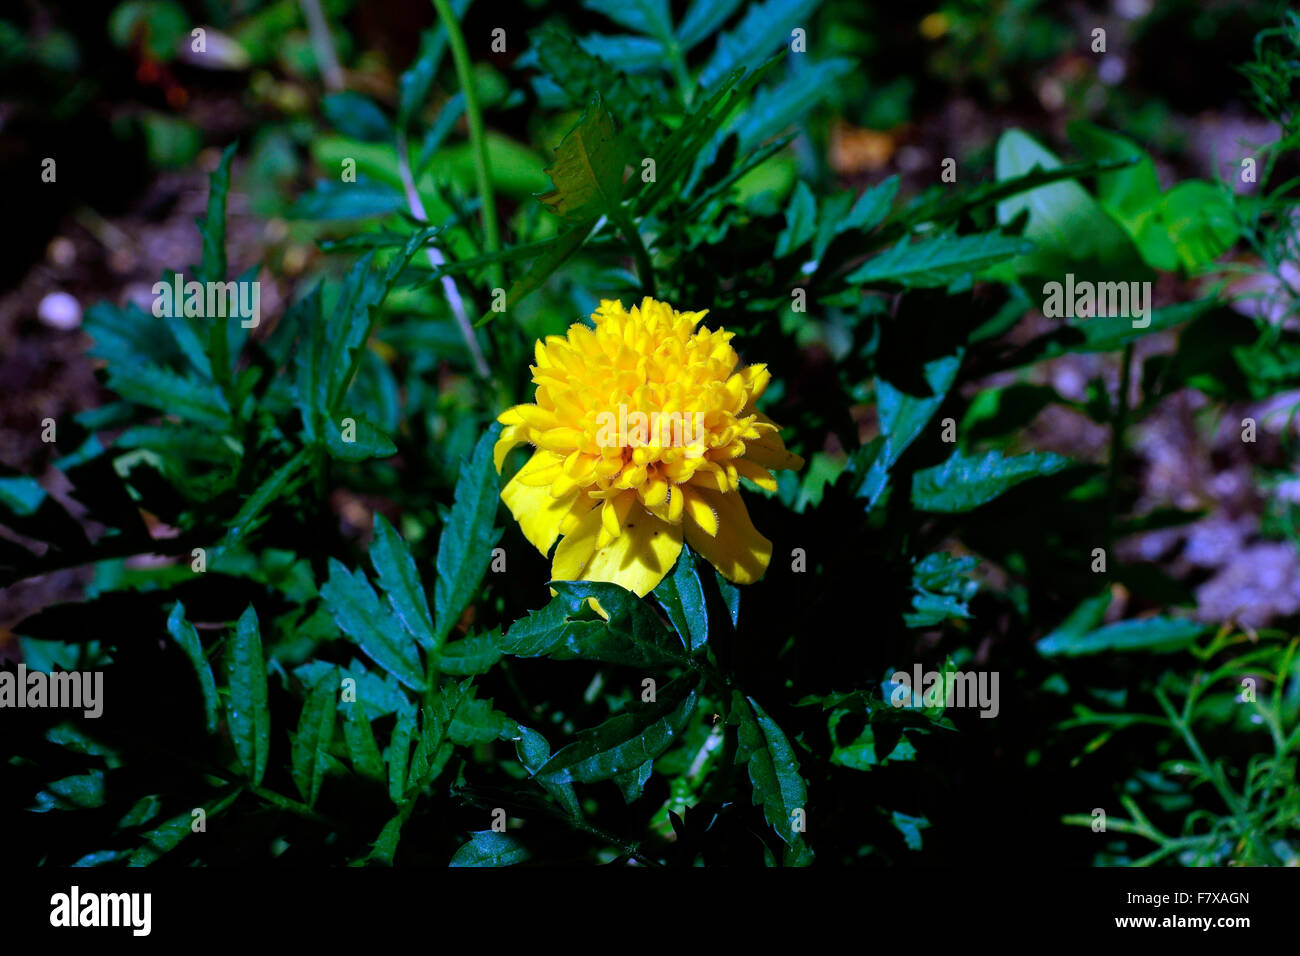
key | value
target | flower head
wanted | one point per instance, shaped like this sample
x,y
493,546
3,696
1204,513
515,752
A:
x,y
643,428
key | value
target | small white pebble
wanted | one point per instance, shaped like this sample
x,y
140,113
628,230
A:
x,y
59,311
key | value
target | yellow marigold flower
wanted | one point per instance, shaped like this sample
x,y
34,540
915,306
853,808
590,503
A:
x,y
643,428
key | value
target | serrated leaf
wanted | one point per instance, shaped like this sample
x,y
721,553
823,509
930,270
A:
x,y
534,750
633,635
943,589
357,611
476,722
470,655
398,756
360,737
246,710
490,848
964,482
368,439
588,170
182,631
556,253
468,536
626,741
764,27
681,594
774,773
790,102
315,733
400,580
280,482
703,19
197,401
212,226
937,261
902,418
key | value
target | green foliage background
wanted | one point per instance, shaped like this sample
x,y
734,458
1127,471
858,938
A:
x,y
381,700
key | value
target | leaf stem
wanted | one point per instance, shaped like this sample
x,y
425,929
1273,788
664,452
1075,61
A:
x,y
474,116
449,287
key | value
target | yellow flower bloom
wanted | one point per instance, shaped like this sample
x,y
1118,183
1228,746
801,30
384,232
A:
x,y
643,428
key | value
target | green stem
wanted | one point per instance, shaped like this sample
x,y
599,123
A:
x,y
643,267
474,116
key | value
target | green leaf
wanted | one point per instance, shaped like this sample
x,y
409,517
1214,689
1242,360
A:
x,y
703,19
1199,220
400,580
566,629
910,827
533,751
943,589
626,741
312,742
356,116
418,79
398,756
1157,635
21,496
1110,333
182,631
333,201
800,220
682,596
246,710
1128,194
588,170
471,655
902,419
368,439
281,482
774,773
764,28
676,154
84,791
169,835
360,738
476,722
468,536
963,483
490,848
937,261
357,611
1068,227
789,103
212,227
556,253
196,401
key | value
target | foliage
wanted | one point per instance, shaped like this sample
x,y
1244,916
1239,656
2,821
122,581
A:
x,y
383,692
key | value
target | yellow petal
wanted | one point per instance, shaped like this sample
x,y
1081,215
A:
x,y
738,551
539,515
700,511
770,452
644,551
510,436
755,473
